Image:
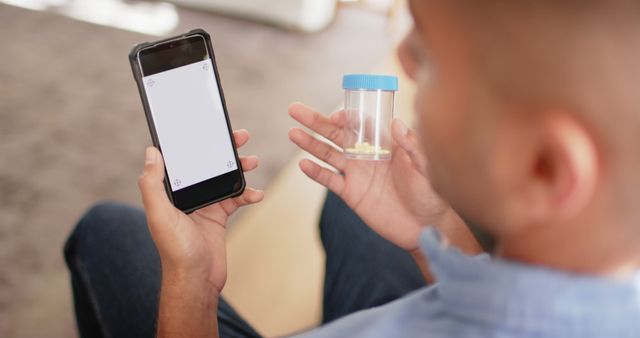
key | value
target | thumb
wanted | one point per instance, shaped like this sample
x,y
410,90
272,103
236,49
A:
x,y
154,196
407,140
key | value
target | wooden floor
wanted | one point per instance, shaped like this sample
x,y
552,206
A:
x,y
275,258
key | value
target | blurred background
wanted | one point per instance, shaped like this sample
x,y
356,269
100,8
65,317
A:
x,y
72,128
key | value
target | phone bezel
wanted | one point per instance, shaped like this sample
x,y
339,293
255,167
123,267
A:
x,y
193,197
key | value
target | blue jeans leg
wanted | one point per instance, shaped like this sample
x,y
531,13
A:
x,y
363,270
115,271
115,276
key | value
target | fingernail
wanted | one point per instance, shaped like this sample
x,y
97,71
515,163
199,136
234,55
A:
x,y
403,127
150,156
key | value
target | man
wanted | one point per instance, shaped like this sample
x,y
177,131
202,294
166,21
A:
x,y
528,116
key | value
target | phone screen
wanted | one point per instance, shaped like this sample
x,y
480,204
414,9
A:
x,y
188,113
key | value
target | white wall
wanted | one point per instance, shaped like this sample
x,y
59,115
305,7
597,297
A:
x,y
306,15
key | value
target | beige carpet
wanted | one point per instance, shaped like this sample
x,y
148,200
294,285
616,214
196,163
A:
x,y
72,130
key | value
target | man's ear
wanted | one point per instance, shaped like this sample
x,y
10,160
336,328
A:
x,y
562,172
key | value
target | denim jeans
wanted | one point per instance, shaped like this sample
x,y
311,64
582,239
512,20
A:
x,y
115,271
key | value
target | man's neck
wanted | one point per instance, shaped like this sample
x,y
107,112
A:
x,y
583,247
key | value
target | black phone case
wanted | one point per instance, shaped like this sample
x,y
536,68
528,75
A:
x,y
137,75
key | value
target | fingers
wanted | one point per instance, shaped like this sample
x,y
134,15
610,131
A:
x,y
317,148
241,137
318,122
249,196
249,162
151,185
324,176
407,140
339,118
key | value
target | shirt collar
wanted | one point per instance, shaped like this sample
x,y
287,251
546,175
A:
x,y
528,298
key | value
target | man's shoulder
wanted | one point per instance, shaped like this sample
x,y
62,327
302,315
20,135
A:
x,y
407,316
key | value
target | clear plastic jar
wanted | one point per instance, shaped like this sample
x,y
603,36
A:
x,y
369,101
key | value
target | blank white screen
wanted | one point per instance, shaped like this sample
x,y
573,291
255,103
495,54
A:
x,y
190,123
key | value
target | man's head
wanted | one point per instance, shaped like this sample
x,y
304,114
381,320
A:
x,y
529,113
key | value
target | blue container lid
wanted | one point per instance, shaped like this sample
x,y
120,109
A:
x,y
370,82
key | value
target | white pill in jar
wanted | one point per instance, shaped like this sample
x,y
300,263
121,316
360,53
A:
x,y
369,101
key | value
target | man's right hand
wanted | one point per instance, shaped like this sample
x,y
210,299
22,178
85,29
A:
x,y
393,197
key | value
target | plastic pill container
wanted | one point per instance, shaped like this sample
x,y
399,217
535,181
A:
x,y
369,101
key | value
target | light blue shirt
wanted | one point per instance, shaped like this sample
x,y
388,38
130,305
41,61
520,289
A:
x,y
476,297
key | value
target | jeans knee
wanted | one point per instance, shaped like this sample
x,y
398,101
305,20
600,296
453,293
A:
x,y
95,221
99,213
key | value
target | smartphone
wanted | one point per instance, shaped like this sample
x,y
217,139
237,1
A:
x,y
187,116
